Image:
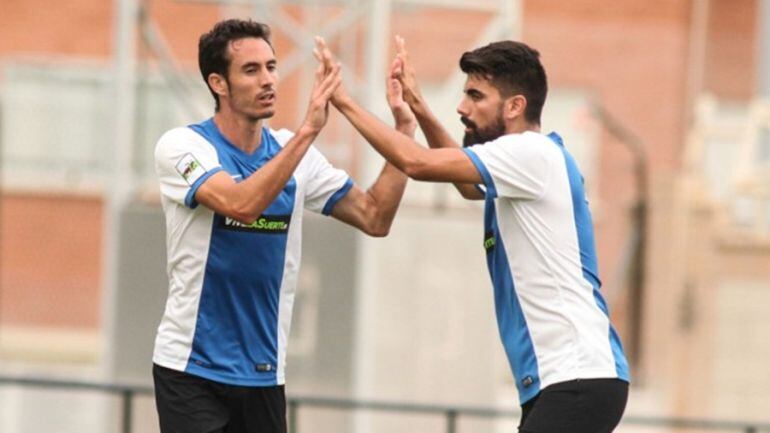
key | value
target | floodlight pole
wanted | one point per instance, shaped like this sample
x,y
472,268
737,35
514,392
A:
x,y
376,50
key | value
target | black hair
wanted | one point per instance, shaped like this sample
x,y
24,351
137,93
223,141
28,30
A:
x,y
212,46
512,68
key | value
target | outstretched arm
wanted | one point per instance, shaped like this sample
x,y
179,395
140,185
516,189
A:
x,y
245,201
435,133
438,165
373,210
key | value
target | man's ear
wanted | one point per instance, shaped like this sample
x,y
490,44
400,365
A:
x,y
218,84
514,107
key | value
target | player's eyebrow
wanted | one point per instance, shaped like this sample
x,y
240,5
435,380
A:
x,y
471,91
255,64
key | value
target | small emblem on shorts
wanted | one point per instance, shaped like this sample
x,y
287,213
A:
x,y
263,368
527,381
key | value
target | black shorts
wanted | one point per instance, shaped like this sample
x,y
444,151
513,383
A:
x,y
576,406
191,404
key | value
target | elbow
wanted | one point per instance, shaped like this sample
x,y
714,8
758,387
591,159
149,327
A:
x,y
233,205
377,228
377,232
471,195
245,219
242,214
376,224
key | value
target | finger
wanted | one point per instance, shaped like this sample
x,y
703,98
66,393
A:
x,y
396,68
400,44
319,52
328,85
319,74
323,70
401,48
325,53
332,85
395,85
394,95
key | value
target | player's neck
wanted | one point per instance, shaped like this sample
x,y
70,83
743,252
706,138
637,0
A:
x,y
243,133
519,125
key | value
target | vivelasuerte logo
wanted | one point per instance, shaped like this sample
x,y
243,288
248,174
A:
x,y
271,224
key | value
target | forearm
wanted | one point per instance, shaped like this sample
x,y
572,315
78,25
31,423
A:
x,y
398,149
438,137
253,195
387,191
385,196
435,133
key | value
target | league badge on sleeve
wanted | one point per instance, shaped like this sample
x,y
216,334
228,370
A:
x,y
190,169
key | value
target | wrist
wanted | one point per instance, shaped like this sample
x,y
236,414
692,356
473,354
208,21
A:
x,y
417,105
407,127
341,102
308,130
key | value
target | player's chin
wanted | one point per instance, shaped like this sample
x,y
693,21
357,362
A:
x,y
262,114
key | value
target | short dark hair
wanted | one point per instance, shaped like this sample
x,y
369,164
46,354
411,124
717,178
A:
x,y
212,46
513,68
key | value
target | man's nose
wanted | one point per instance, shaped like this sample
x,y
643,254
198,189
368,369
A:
x,y
268,79
461,109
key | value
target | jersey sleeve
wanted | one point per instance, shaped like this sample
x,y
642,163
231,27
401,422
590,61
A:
x,y
326,185
183,161
512,166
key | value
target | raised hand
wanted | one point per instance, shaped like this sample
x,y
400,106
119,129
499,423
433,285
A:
x,y
327,81
406,122
325,57
401,69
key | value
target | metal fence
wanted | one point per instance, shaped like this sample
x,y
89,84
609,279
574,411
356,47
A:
x,y
451,414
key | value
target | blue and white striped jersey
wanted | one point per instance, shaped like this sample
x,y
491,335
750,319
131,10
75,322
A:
x,y
232,285
539,241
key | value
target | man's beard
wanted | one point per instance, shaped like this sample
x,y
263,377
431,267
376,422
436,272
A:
x,y
482,135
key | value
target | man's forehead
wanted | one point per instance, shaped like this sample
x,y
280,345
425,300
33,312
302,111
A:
x,y
251,49
479,82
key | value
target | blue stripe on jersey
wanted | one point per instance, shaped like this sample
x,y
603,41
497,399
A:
x,y
588,260
189,199
337,196
236,332
511,323
482,169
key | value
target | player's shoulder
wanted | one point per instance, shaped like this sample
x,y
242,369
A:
x,y
179,138
178,133
528,143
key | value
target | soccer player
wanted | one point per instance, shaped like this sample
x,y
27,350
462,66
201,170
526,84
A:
x,y
568,363
233,191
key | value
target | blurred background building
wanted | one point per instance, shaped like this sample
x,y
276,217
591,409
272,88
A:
x,y
663,102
